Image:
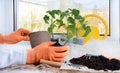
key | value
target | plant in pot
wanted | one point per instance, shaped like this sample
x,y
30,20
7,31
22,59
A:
x,y
71,20
51,19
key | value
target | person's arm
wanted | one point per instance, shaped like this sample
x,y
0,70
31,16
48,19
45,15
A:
x,y
15,37
12,55
17,56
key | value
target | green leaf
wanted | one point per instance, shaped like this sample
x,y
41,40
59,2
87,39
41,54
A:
x,y
54,12
63,14
50,29
69,36
75,39
72,28
51,13
57,12
88,30
78,17
46,19
71,20
75,12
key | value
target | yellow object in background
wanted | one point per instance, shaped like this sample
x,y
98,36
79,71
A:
x,y
102,20
95,34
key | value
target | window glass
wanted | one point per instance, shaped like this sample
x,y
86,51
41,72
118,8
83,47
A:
x,y
31,12
30,15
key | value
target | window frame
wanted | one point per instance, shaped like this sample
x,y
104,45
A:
x,y
15,12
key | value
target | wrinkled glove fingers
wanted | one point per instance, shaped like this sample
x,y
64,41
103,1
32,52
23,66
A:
x,y
61,49
61,55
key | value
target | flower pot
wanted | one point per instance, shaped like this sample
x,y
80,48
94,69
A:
x,y
39,37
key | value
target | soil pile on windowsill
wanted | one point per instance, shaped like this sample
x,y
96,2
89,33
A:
x,y
97,62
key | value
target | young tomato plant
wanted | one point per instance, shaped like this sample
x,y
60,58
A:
x,y
68,19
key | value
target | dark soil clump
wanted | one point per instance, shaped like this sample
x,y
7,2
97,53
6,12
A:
x,y
57,42
97,62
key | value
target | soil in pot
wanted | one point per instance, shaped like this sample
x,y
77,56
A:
x,y
57,42
39,37
97,62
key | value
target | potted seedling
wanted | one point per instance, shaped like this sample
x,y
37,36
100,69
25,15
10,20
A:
x,y
71,20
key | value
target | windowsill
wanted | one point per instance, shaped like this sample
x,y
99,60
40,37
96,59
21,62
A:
x,y
96,47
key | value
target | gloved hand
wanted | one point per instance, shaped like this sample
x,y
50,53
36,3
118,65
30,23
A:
x,y
17,36
46,51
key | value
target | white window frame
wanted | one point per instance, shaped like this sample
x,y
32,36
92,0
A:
x,y
115,24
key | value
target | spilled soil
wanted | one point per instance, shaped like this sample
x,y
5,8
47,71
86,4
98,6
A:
x,y
97,62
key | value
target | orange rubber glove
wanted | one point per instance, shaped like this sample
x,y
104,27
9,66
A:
x,y
46,51
15,37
